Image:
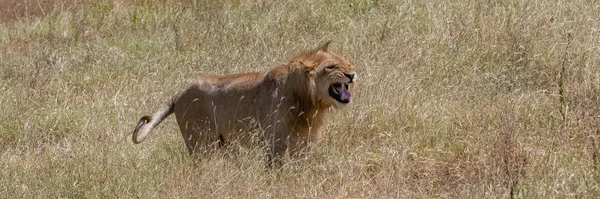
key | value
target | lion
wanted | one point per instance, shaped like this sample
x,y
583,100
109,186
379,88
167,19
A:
x,y
283,108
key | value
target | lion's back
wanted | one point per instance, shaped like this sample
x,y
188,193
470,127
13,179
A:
x,y
222,96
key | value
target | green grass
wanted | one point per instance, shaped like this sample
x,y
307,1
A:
x,y
456,99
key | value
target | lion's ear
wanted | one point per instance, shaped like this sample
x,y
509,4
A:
x,y
325,47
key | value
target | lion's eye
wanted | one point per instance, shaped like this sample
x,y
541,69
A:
x,y
331,67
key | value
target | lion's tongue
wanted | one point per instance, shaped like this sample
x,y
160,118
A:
x,y
344,94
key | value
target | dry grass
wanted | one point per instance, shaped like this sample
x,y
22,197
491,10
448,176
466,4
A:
x,y
457,99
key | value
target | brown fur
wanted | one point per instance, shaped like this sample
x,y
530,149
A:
x,y
284,108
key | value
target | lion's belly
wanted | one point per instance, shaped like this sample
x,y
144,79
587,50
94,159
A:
x,y
236,125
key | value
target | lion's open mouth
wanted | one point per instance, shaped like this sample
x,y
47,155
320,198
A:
x,y
339,92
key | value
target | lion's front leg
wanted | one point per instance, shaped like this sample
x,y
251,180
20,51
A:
x,y
302,142
275,150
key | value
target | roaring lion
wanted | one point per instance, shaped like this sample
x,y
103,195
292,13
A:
x,y
284,108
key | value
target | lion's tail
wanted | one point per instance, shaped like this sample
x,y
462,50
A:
x,y
147,123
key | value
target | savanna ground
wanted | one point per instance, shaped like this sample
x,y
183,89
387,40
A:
x,y
460,99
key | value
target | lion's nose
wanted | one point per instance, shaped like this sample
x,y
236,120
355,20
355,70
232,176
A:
x,y
350,76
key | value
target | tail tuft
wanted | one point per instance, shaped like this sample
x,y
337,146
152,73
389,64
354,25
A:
x,y
144,120
147,123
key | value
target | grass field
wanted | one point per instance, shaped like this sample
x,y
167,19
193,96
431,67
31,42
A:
x,y
456,99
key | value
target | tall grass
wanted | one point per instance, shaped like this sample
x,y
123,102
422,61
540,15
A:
x,y
464,99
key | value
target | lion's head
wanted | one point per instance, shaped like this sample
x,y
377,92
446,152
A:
x,y
332,76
